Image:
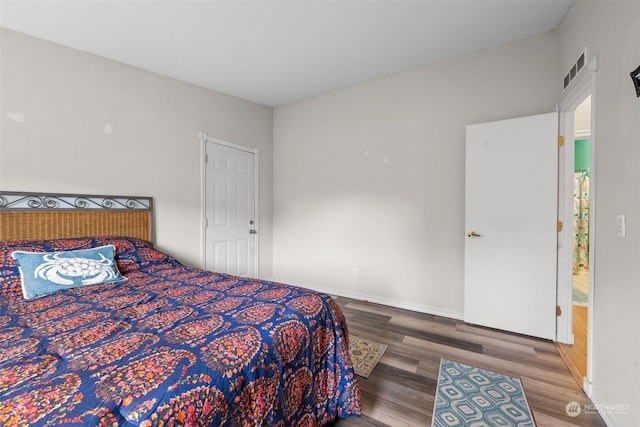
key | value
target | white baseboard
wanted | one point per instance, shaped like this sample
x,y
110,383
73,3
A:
x,y
599,403
374,299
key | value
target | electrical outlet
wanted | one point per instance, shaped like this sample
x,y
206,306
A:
x,y
354,272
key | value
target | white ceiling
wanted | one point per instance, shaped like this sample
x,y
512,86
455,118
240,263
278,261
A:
x,y
277,52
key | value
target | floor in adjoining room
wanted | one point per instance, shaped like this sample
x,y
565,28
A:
x,y
575,355
401,389
580,285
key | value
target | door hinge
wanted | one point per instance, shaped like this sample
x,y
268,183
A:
x,y
206,158
558,311
560,141
559,226
206,222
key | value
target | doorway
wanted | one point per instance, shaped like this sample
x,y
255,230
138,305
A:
x,y
576,353
577,211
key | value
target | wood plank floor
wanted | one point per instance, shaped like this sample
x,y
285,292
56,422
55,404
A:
x,y
401,389
575,356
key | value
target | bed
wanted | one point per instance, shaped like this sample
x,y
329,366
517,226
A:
x,y
167,344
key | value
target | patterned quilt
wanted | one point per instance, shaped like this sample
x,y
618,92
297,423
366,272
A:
x,y
172,345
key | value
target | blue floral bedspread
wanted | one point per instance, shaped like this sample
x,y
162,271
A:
x,y
173,345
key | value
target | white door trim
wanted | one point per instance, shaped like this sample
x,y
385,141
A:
x,y
204,139
582,86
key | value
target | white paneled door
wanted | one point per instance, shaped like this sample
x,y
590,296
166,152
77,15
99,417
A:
x,y
510,225
230,198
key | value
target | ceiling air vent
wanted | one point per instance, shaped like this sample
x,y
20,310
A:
x,y
575,70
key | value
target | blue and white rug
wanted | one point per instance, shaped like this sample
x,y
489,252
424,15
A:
x,y
472,397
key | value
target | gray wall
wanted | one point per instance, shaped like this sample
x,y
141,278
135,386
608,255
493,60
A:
x,y
373,176
68,99
611,31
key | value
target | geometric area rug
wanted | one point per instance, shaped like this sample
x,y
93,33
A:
x,y
365,354
468,396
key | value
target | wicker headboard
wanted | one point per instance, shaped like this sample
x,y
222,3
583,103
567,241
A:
x,y
36,216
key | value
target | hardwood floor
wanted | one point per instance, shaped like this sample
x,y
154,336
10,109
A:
x,y
575,356
401,389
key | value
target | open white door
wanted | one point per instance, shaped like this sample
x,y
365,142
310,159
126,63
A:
x,y
510,219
